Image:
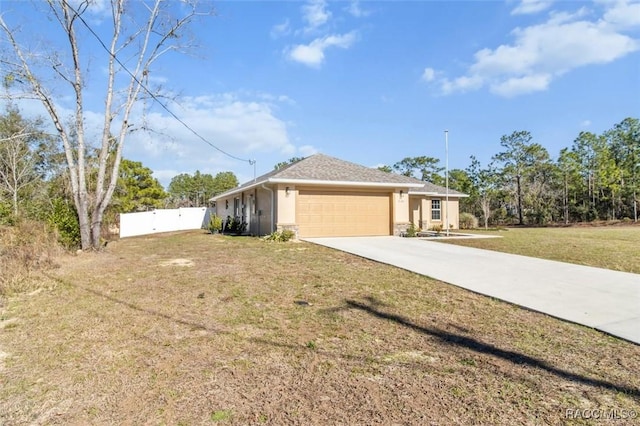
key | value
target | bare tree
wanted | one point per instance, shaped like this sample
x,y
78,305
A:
x,y
133,48
17,164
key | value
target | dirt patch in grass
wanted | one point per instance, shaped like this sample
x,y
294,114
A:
x,y
229,341
610,247
178,262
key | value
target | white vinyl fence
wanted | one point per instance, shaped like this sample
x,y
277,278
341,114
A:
x,y
163,220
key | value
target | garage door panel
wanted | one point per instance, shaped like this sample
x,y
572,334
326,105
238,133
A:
x,y
324,213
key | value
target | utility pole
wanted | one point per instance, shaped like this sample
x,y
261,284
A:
x,y
446,176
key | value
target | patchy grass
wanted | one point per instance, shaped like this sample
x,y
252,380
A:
x,y
257,333
26,248
604,247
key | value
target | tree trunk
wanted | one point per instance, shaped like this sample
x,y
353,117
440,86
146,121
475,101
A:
x,y
519,201
158,35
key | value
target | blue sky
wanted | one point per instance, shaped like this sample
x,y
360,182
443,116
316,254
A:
x,y
374,82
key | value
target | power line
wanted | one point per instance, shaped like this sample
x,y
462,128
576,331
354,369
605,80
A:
x,y
153,96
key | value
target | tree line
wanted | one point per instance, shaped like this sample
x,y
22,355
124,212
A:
x,y
34,181
596,178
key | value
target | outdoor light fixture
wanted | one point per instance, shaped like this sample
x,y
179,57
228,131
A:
x,y
286,190
401,193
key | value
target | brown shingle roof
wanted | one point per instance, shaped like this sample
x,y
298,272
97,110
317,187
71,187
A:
x,y
325,168
430,188
320,167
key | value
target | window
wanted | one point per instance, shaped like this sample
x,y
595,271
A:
x,y
435,210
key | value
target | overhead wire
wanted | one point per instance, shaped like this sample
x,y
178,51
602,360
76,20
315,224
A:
x,y
153,96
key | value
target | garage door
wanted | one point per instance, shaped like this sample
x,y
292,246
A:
x,y
342,214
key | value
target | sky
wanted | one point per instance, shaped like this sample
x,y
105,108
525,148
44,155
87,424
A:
x,y
372,82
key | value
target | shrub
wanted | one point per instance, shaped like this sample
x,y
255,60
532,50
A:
x,y
64,219
280,236
437,228
215,224
6,214
25,249
468,221
412,231
235,226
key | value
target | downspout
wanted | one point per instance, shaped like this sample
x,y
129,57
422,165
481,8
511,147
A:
x,y
272,205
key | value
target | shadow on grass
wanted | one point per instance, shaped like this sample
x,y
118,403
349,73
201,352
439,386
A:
x,y
372,308
190,324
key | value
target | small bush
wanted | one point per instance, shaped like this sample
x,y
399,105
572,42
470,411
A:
x,y
437,228
235,226
468,221
412,231
64,219
6,214
280,236
25,249
215,224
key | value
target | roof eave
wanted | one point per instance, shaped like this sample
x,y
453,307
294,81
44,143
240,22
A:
x,y
237,190
345,183
440,194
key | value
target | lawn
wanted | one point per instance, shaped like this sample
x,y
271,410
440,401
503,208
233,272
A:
x,y
610,247
190,328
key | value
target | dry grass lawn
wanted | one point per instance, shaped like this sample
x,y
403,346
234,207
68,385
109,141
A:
x,y
197,329
609,247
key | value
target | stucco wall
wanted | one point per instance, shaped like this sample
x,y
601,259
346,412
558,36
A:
x,y
420,209
263,219
254,207
286,205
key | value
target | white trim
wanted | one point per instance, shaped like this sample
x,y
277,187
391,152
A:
x,y
345,183
240,189
339,183
440,194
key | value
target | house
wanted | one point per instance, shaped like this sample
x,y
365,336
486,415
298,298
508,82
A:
x,y
322,196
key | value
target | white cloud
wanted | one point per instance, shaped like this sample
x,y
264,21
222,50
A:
x,y
165,176
623,15
461,84
280,30
521,85
429,74
312,54
541,53
531,6
585,123
356,10
307,150
315,14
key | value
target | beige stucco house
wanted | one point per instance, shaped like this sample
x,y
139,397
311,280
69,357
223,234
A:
x,y
323,196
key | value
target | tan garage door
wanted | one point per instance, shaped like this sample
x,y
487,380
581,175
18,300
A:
x,y
342,214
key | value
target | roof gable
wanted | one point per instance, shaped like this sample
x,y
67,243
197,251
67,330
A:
x,y
320,167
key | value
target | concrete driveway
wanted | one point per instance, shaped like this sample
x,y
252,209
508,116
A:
x,y
599,298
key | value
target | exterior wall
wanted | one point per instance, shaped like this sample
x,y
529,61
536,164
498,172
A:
x,y
252,205
421,212
263,223
400,207
418,209
286,208
454,213
224,207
